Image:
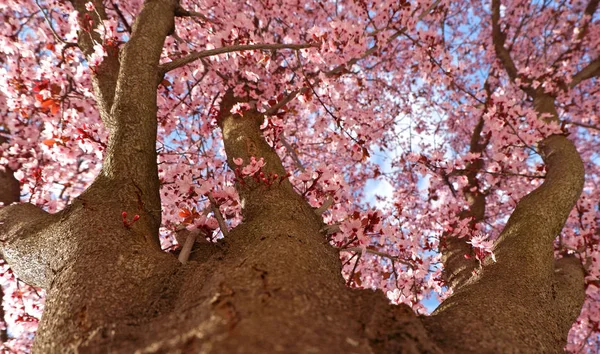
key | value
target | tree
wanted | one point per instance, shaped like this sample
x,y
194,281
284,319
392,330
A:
x,y
251,131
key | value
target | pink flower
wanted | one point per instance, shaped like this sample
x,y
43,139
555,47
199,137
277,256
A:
x,y
97,56
90,6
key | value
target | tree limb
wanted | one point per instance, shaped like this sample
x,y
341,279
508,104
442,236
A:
x,y
499,39
589,71
588,13
457,255
215,208
104,77
177,63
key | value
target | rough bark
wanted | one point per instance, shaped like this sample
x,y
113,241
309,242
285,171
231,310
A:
x,y
457,255
9,193
274,284
526,301
522,302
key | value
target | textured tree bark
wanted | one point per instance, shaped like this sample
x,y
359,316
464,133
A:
x,y
9,193
457,255
524,302
274,284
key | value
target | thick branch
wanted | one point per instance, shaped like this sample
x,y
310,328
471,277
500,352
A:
x,y
177,63
570,288
499,38
9,193
243,139
589,71
131,152
457,255
104,78
539,217
526,305
9,186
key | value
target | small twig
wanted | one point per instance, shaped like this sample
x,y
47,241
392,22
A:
x,y
395,272
292,152
187,247
377,253
349,259
181,12
336,119
583,125
353,269
58,38
273,109
121,16
326,205
218,215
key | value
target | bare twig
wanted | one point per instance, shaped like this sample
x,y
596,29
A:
x,y
377,253
121,16
187,247
292,152
273,109
583,125
353,269
218,215
326,205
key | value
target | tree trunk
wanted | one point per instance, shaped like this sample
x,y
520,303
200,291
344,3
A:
x,y
274,284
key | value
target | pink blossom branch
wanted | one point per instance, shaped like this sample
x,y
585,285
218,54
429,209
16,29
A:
x,y
583,125
375,48
588,13
589,71
377,253
499,39
121,16
338,69
49,22
177,63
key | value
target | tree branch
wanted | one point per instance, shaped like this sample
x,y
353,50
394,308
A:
x,y
457,255
104,77
215,208
589,71
121,16
375,48
177,63
499,39
9,194
360,250
292,152
570,288
287,99
588,13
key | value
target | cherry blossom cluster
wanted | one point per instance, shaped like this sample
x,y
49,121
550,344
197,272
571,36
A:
x,y
380,117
